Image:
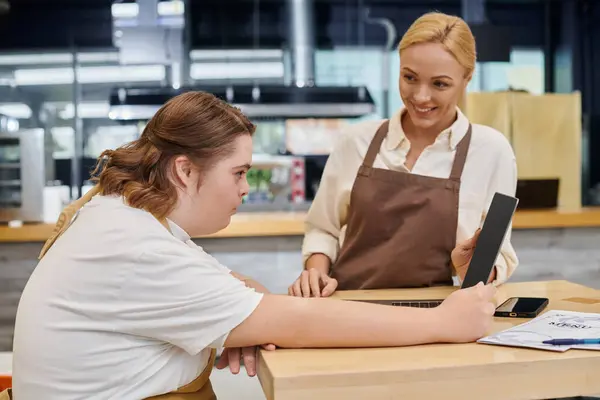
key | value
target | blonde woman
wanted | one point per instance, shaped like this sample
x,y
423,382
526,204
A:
x,y
401,201
123,304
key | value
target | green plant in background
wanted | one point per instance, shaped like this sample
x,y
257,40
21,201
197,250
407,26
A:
x,y
259,181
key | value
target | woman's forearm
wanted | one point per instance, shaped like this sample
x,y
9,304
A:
x,y
294,322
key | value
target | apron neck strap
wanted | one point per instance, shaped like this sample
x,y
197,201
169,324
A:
x,y
66,216
459,159
376,144
461,156
164,223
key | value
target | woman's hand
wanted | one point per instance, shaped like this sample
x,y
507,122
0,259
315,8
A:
x,y
232,356
467,314
313,283
463,253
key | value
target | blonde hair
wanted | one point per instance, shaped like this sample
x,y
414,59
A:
x,y
450,31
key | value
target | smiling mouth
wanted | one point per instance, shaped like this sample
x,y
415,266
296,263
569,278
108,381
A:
x,y
422,110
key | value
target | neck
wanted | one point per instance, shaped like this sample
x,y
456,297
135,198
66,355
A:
x,y
181,216
426,136
178,216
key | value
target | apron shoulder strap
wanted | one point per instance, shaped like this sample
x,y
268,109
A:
x,y
164,223
461,156
66,217
376,144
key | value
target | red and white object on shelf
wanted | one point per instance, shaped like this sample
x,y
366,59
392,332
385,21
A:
x,y
297,180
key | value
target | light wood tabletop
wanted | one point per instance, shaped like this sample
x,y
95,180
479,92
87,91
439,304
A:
x,y
448,371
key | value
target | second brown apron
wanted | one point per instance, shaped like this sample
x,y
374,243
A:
x,y
199,389
401,226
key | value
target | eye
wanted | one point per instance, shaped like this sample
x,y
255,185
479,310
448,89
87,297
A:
x,y
441,84
409,77
240,174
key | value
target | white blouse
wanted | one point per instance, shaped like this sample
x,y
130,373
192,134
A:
x,y
490,167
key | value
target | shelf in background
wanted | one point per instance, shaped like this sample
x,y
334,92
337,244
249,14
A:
x,y
291,223
547,219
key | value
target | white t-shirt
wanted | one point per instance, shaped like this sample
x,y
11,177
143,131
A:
x,y
120,308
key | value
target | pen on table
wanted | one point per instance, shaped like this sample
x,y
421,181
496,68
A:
x,y
566,342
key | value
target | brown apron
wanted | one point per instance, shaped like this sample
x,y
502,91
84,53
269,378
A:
x,y
200,388
401,227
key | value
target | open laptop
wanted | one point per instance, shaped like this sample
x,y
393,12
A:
x,y
489,243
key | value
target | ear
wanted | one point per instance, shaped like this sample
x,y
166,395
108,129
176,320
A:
x,y
184,170
468,78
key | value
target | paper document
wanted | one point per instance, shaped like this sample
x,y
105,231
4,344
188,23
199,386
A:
x,y
551,325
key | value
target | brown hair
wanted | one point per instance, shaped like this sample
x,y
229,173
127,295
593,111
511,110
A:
x,y
194,124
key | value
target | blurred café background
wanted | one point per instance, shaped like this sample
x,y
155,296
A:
x,y
81,76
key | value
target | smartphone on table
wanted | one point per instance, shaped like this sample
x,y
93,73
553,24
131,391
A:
x,y
521,307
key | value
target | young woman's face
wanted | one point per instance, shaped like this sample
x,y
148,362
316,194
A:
x,y
431,84
212,197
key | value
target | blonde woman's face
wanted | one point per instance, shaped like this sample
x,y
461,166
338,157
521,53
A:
x,y
431,84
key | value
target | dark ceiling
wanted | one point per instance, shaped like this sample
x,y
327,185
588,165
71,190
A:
x,y
105,2
86,24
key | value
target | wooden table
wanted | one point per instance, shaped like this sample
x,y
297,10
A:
x,y
448,371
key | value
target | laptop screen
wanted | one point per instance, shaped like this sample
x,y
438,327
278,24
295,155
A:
x,y
490,239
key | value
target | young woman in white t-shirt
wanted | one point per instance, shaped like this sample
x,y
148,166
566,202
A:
x,y
124,305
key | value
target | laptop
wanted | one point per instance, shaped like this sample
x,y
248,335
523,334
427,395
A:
x,y
537,194
489,243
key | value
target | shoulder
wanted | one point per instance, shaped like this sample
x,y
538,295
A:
x,y
108,222
490,143
133,228
174,254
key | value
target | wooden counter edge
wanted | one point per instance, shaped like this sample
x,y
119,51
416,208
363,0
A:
x,y
292,224
528,374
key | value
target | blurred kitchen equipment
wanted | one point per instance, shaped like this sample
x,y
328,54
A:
x,y
276,180
313,136
22,175
537,194
56,198
4,7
